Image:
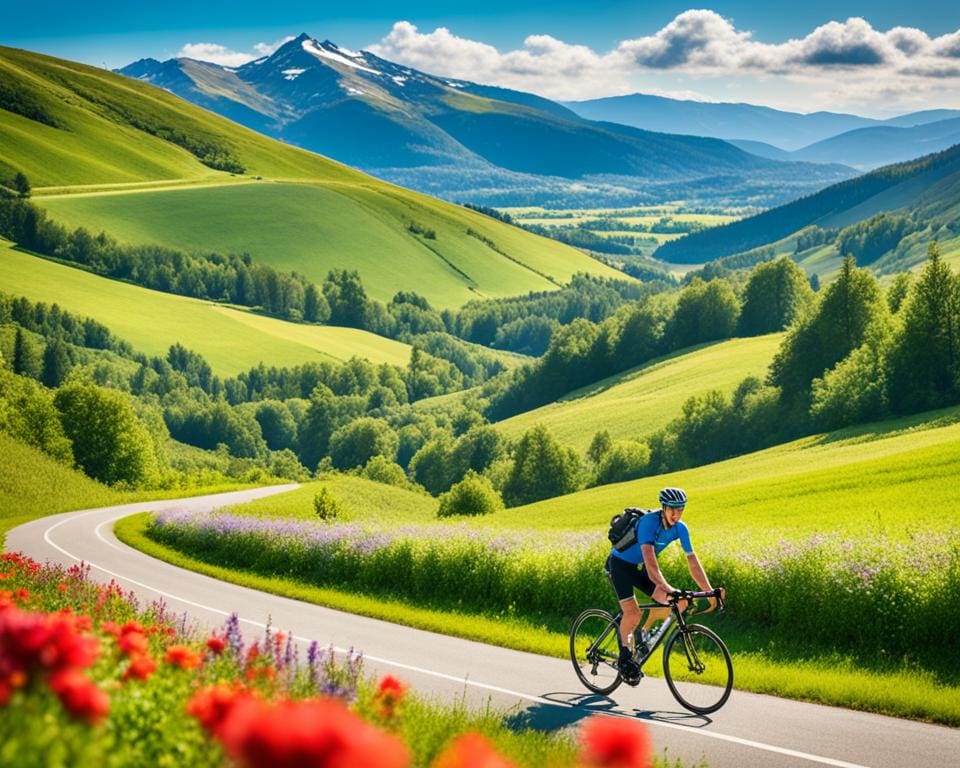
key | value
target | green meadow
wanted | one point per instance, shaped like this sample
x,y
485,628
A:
x,y
313,228
232,340
645,399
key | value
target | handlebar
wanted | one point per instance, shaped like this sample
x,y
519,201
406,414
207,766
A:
x,y
685,594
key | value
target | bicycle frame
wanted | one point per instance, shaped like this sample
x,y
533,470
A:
x,y
676,617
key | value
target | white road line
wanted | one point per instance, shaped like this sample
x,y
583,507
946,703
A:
x,y
432,673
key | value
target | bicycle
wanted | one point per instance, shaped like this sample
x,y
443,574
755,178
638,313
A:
x,y
692,653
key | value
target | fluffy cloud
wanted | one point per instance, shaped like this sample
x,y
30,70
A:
x,y
218,54
697,43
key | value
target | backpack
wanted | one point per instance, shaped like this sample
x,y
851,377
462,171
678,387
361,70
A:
x,y
623,528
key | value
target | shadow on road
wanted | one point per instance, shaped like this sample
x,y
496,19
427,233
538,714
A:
x,y
570,708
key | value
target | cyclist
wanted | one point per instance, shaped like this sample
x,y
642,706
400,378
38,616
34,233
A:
x,y
637,567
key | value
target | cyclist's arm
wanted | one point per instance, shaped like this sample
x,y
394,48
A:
x,y
653,568
697,573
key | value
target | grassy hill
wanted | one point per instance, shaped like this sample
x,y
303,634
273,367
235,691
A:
x,y
33,485
314,228
70,128
926,187
232,340
646,398
853,482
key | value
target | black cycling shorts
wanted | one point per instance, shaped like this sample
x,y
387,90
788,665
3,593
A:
x,y
627,576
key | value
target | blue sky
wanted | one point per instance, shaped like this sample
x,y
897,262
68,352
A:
x,y
872,58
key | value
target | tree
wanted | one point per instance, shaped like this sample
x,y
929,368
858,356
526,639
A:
x,y
26,356
476,450
850,306
898,290
381,470
277,425
27,414
356,443
542,468
474,495
56,363
626,460
315,306
601,443
925,359
109,442
346,297
430,466
705,312
775,296
21,184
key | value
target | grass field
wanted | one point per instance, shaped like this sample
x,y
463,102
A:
x,y
333,216
644,399
231,340
314,228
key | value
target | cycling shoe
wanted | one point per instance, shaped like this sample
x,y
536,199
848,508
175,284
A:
x,y
630,672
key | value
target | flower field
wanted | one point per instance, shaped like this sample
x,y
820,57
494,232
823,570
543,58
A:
x,y
88,676
875,595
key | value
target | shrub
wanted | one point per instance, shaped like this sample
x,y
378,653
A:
x,y
474,495
326,505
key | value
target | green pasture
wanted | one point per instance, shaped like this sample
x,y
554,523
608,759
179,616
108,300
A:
x,y
232,340
313,228
361,500
889,477
644,399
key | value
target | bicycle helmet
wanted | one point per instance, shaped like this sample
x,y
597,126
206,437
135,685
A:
x,y
673,497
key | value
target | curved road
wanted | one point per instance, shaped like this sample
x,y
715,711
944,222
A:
x,y
751,730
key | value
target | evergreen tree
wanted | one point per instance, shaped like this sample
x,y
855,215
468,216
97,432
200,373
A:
x,y
925,360
26,357
21,184
56,363
850,306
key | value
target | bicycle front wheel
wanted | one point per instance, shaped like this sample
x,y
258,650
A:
x,y
595,650
698,669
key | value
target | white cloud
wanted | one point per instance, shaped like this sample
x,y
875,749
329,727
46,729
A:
x,y
698,44
219,54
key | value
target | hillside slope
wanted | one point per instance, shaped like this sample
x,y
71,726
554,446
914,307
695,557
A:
x,y
67,125
232,340
924,185
634,404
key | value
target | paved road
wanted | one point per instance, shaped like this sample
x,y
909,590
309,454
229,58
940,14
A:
x,y
751,730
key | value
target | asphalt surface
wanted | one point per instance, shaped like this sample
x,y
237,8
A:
x,y
540,692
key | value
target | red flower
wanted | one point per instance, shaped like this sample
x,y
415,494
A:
x,y
471,751
141,667
23,595
389,696
79,695
133,644
63,586
183,657
615,742
314,732
212,704
216,645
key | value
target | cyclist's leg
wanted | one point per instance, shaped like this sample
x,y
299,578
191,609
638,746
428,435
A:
x,y
657,594
622,577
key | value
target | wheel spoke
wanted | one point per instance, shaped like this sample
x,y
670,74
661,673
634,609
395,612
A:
x,y
698,669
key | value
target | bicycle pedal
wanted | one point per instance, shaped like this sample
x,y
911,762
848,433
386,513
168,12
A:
x,y
633,681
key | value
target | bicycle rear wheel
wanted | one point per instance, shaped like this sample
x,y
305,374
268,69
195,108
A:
x,y
698,669
595,650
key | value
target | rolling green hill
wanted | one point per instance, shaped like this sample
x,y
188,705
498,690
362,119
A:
x,y
925,188
71,128
634,404
854,481
232,340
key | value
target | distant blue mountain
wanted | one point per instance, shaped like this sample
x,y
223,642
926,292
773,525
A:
x,y
748,122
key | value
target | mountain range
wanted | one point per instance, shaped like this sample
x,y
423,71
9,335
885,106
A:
x,y
739,122
461,140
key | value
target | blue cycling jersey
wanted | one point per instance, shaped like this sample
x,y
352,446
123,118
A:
x,y
651,531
